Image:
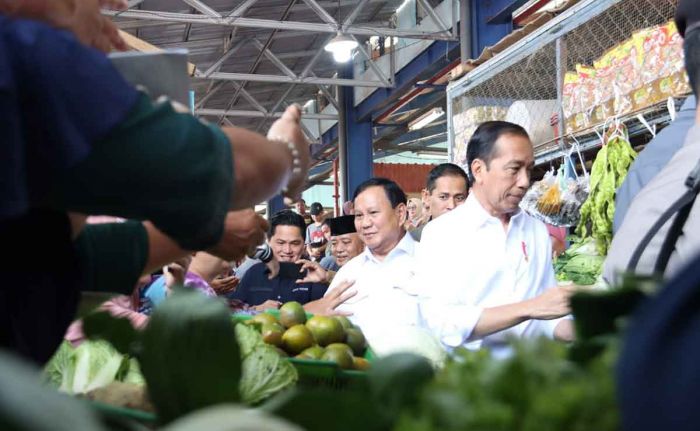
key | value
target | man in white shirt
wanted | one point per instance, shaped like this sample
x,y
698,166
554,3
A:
x,y
484,269
381,273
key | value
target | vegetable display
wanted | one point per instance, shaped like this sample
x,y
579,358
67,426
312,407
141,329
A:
x,y
607,174
332,339
580,263
265,372
537,388
91,365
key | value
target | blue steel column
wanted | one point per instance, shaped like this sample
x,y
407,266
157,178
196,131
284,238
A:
x,y
358,138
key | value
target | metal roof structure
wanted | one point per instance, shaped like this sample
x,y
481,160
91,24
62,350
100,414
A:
x,y
253,57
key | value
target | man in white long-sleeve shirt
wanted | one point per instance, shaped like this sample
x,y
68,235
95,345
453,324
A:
x,y
382,272
484,269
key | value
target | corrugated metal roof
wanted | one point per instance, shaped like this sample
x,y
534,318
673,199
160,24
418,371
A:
x,y
207,43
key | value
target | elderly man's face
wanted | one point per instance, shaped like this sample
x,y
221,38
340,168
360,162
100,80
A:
x,y
506,179
287,243
345,247
379,225
450,191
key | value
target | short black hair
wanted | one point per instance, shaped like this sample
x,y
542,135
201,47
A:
x,y
393,192
287,218
444,170
691,47
482,143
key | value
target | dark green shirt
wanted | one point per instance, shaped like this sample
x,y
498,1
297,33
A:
x,y
157,165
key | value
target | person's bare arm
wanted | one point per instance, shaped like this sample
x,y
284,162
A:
x,y
551,304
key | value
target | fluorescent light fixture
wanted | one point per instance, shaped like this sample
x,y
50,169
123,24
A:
x,y
426,119
341,47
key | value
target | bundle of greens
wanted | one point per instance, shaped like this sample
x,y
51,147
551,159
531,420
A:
x,y
607,174
536,389
580,263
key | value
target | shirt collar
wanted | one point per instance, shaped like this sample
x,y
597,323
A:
x,y
405,246
480,216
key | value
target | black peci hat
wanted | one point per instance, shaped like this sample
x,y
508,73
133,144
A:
x,y
342,225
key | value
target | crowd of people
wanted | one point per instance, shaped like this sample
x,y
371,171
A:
x,y
461,262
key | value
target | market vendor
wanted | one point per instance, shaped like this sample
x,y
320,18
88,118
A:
x,y
485,268
258,289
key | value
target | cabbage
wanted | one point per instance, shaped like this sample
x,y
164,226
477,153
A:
x,y
91,365
265,372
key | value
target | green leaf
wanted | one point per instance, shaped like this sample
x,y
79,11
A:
x,y
116,330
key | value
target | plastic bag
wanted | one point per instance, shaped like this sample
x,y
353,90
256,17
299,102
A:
x,y
557,198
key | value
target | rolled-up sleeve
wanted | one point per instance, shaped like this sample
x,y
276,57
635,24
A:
x,y
452,324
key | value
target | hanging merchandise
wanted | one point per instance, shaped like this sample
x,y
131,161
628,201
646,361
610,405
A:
x,y
607,174
557,198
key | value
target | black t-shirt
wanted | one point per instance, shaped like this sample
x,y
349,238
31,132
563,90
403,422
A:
x,y
255,288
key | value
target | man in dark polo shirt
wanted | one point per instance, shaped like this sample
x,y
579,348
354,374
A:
x,y
286,238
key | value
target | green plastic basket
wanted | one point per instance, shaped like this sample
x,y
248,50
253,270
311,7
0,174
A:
x,y
321,373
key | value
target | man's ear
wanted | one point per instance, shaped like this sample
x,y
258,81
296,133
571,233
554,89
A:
x,y
478,167
401,213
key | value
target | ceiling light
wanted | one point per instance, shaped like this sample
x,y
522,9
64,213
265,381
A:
x,y
426,119
341,47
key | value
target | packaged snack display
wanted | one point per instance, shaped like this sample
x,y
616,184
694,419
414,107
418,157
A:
x,y
643,70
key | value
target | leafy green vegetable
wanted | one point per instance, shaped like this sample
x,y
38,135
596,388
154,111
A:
x,y
265,372
580,263
92,365
537,388
607,174
59,365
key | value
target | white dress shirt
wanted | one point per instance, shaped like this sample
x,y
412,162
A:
x,y
384,298
467,262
